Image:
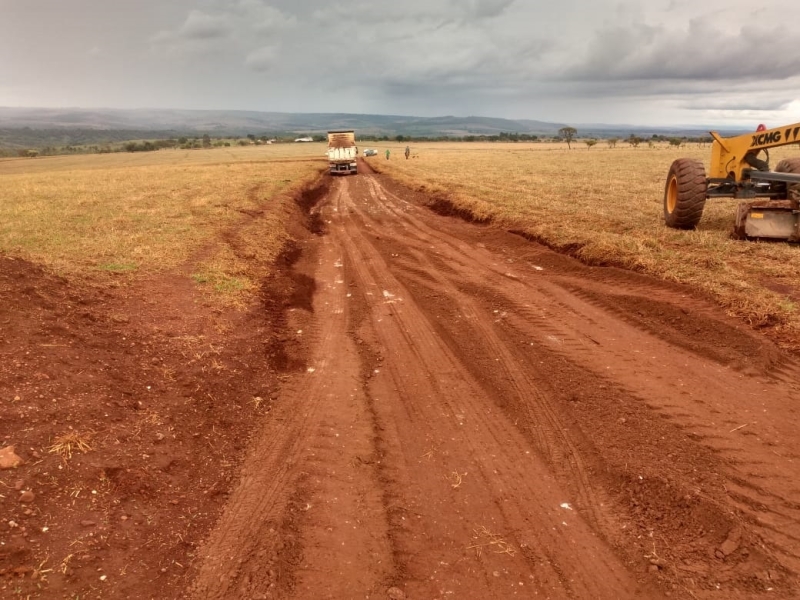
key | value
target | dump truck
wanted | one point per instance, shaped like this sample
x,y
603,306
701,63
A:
x,y
342,152
769,201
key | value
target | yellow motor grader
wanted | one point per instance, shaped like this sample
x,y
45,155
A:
x,y
769,201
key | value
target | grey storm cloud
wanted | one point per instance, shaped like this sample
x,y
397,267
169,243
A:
x,y
757,102
654,61
246,20
657,53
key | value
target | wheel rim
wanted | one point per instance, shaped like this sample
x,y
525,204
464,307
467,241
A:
x,y
672,194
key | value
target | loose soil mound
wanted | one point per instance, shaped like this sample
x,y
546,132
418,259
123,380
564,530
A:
x,y
130,406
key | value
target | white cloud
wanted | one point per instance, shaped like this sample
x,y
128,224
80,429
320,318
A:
x,y
262,59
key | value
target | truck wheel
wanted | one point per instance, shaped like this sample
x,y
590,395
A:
x,y
790,165
685,194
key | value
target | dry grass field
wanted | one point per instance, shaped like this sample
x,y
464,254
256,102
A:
x,y
604,206
142,213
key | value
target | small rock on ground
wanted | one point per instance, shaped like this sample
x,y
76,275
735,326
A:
x,y
9,460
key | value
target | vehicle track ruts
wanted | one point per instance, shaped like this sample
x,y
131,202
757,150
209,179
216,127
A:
x,y
484,418
425,391
299,499
559,295
549,433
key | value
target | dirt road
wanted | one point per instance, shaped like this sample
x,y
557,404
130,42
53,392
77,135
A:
x,y
474,416
418,408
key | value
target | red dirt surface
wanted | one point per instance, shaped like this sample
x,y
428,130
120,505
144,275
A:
x,y
418,408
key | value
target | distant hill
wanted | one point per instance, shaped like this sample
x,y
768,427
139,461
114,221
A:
x,y
225,122
22,127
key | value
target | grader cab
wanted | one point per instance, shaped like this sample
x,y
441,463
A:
x,y
769,201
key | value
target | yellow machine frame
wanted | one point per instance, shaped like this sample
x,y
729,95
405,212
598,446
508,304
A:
x,y
727,154
769,201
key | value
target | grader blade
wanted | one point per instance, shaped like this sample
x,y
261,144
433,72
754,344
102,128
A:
x,y
776,220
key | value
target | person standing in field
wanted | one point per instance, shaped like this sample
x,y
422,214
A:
x,y
408,152
387,154
751,157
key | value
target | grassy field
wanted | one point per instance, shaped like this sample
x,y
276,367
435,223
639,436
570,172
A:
x,y
604,206
137,214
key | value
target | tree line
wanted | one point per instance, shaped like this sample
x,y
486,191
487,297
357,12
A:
x,y
185,142
569,134
147,145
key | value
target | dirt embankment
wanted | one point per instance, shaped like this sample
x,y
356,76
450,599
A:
x,y
130,406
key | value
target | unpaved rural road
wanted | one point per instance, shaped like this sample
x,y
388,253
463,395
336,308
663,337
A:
x,y
479,417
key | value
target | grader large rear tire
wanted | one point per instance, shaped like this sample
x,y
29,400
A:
x,y
790,165
685,194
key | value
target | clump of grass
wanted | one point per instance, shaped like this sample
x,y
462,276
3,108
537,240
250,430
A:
x,y
68,443
223,285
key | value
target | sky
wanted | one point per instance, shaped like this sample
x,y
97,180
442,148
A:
x,y
639,62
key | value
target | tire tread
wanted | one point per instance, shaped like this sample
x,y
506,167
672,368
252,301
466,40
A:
x,y
692,187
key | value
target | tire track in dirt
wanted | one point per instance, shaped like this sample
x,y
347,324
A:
x,y
562,313
650,369
549,433
461,472
698,396
483,418
304,515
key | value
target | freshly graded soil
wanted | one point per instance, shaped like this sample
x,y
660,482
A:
x,y
418,407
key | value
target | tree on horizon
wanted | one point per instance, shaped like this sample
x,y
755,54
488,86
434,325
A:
x,y
568,133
